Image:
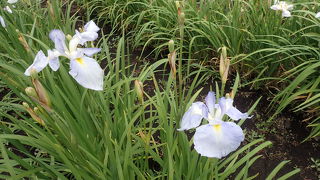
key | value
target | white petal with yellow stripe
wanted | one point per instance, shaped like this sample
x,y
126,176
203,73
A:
x,y
87,72
217,140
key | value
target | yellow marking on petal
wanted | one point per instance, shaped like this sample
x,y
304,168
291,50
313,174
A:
x,y
80,61
217,127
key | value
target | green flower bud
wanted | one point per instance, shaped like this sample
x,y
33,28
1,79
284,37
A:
x,y
224,65
171,46
31,92
138,86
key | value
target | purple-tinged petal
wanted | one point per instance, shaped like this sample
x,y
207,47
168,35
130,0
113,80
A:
x,y
192,118
90,51
286,13
226,105
8,9
53,59
210,101
3,24
58,37
87,36
39,63
91,27
235,114
275,7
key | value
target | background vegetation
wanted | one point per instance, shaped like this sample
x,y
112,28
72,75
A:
x,y
111,134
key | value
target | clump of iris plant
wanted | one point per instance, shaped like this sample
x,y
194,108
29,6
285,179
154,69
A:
x,y
217,138
84,69
284,7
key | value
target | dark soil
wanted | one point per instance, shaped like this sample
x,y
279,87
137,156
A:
x,y
286,132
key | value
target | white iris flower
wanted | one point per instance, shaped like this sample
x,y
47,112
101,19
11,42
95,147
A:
x,y
217,138
317,15
84,69
284,7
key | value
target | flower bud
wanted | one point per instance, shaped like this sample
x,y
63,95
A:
x,y
224,65
23,41
26,105
69,37
36,110
181,18
171,46
138,86
178,6
51,11
172,63
31,92
33,73
33,113
42,94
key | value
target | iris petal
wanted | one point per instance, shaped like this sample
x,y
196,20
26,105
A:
x,y
235,114
275,7
192,118
8,9
217,141
12,1
87,36
227,108
39,63
90,51
87,72
286,13
3,24
58,37
91,27
53,60
210,101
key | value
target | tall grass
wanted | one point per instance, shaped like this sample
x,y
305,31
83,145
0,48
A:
x,y
86,134
265,47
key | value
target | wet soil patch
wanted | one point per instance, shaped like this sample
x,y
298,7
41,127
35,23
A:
x,y
286,132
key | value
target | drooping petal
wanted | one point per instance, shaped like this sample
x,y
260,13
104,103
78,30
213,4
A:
x,y
210,101
317,15
192,118
3,24
286,13
90,51
87,72
217,141
12,1
235,114
39,63
53,59
91,27
58,37
86,36
226,105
